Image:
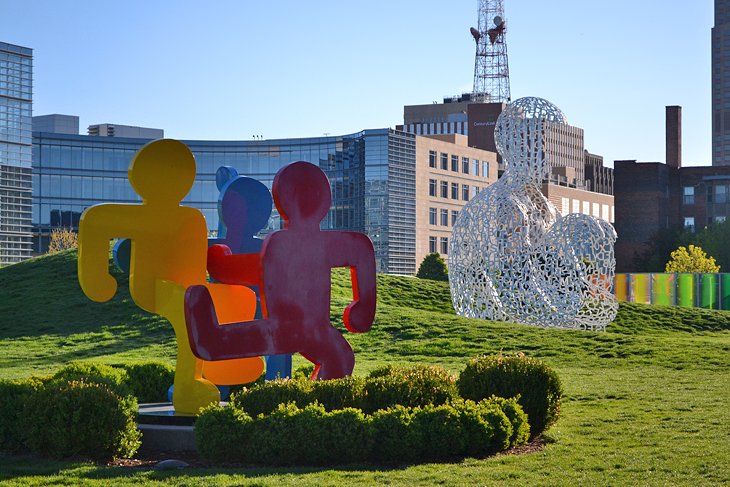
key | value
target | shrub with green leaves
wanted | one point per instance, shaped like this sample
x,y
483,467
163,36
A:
x,y
537,385
14,397
91,372
394,438
408,386
265,398
485,426
81,418
439,431
149,381
334,394
225,433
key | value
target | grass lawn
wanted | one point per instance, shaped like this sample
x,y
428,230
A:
x,y
645,403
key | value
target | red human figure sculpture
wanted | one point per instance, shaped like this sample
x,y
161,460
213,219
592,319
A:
x,y
293,270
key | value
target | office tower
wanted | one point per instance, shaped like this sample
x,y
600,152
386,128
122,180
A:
x,y
16,105
721,84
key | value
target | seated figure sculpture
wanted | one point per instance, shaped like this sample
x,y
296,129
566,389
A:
x,y
294,271
513,257
167,254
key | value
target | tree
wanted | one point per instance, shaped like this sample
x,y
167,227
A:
x,y
715,240
658,249
692,260
433,267
62,239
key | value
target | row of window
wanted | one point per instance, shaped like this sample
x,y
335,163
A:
x,y
689,221
599,210
463,164
433,246
441,217
715,194
466,193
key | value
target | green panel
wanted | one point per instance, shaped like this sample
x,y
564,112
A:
x,y
686,290
662,289
708,290
725,291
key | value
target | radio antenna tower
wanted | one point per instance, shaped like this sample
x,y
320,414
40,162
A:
x,y
491,71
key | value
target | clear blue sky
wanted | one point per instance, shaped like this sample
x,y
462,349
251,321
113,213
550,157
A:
x,y
225,70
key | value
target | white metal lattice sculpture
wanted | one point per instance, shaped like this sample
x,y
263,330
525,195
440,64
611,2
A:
x,y
513,257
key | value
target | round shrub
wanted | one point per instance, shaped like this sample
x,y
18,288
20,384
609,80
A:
x,y
485,427
348,437
149,381
537,385
222,434
339,393
394,440
411,386
90,372
303,372
14,398
265,398
81,418
440,432
517,418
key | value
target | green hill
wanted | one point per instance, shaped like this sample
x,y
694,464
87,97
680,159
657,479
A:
x,y
645,402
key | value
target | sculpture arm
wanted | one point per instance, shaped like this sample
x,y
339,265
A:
x,y
95,231
360,258
230,268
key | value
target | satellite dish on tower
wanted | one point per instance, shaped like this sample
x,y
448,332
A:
x,y
475,34
498,20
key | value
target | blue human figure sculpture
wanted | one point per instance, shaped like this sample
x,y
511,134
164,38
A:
x,y
244,208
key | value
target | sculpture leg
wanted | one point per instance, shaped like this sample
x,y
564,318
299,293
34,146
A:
x,y
191,391
211,341
331,354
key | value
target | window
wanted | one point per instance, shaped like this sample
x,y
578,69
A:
x,y
432,187
444,189
485,169
689,223
586,208
444,218
475,167
432,158
454,216
576,206
605,212
465,165
474,191
596,210
720,219
455,163
432,216
721,194
444,245
454,191
444,161
565,206
432,244
465,192
688,196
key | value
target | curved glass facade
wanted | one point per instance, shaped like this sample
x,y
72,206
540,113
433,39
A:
x,y
372,174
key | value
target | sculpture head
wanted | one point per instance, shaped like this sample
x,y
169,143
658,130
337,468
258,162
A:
x,y
519,136
245,207
302,194
162,172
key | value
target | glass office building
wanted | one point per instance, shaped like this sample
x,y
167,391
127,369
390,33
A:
x,y
372,174
16,105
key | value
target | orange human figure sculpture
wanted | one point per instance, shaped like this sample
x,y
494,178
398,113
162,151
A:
x,y
169,247
293,270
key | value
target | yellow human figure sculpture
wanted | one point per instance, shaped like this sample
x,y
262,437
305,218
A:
x,y
169,251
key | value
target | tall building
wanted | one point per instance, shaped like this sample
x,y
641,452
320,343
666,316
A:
x,y
16,107
721,84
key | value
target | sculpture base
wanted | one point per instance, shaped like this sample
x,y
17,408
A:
x,y
165,430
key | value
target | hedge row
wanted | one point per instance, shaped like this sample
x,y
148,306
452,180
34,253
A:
x,y
67,418
535,385
311,435
84,409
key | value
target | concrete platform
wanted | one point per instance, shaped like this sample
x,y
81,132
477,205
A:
x,y
164,429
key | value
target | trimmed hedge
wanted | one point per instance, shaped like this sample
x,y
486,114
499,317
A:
x,y
91,372
80,418
535,385
291,435
149,381
15,396
385,387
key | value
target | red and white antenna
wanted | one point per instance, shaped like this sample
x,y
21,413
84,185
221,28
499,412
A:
x,y
491,70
